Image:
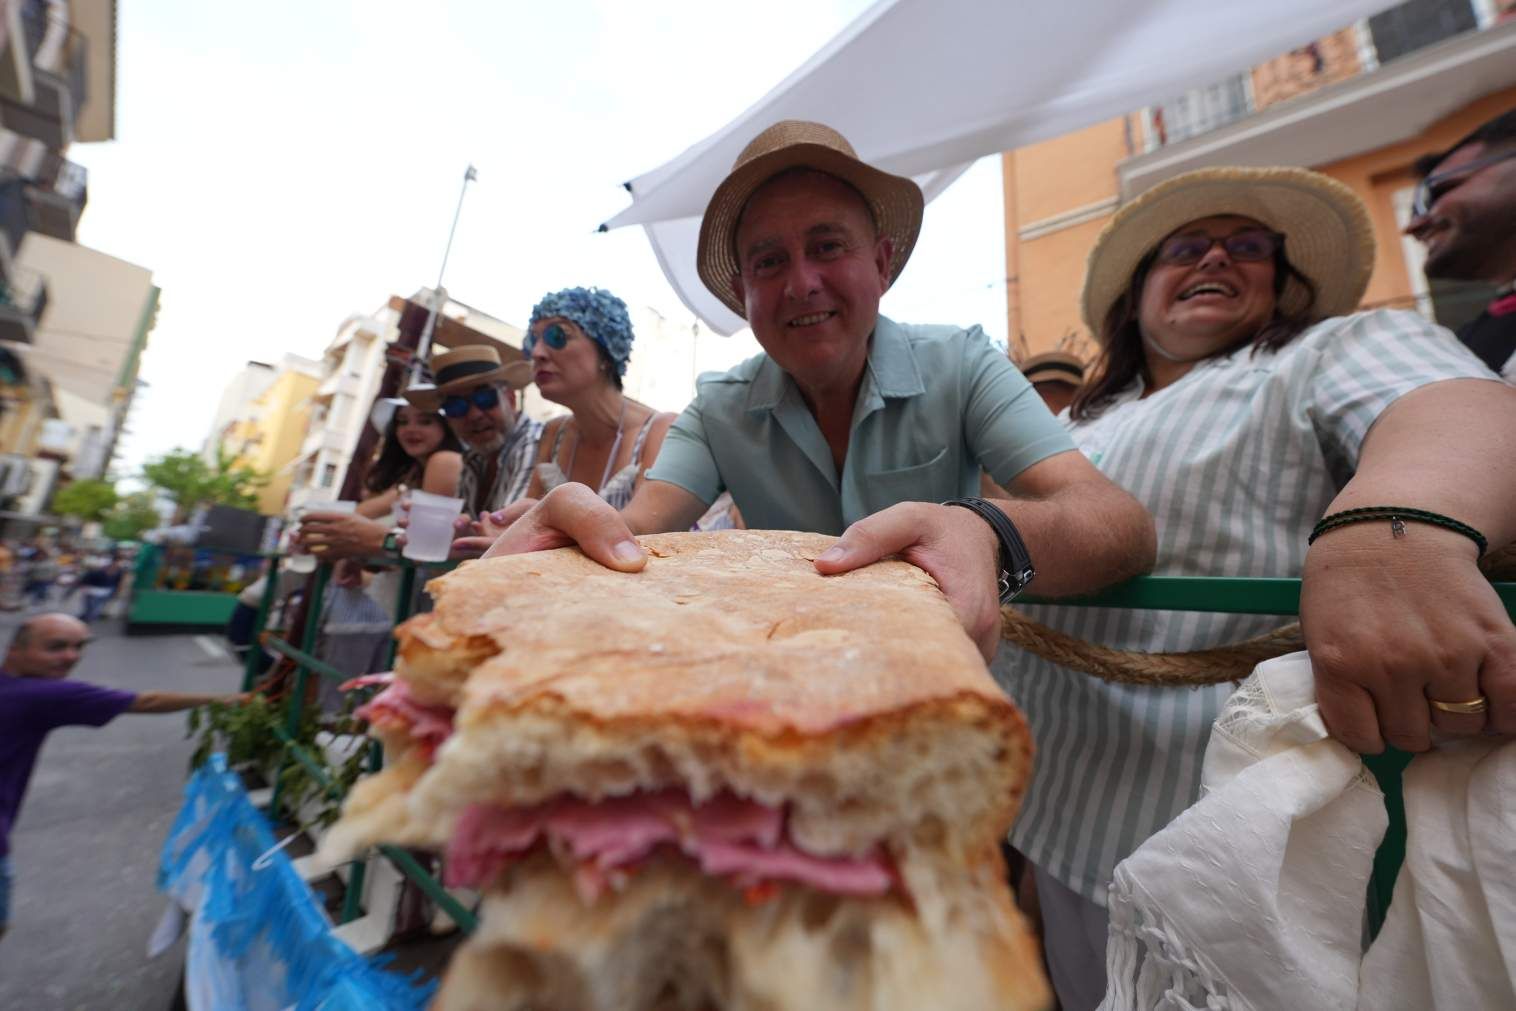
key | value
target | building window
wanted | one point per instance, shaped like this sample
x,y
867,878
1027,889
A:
x,y
328,474
1199,111
1420,23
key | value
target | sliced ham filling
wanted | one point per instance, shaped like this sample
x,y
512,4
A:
x,y
427,725
604,841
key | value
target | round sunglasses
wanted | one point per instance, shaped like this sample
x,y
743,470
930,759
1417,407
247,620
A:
x,y
485,398
1248,246
555,337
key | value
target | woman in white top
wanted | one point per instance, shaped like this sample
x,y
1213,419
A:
x,y
579,341
1242,400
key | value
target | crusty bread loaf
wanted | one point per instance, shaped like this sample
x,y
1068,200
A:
x,y
728,663
674,940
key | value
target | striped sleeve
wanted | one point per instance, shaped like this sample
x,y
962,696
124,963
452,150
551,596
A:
x,y
1364,363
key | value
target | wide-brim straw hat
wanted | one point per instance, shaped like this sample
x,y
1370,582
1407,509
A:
x,y
895,201
463,369
1328,235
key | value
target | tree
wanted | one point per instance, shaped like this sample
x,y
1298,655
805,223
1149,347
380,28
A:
x,y
131,516
191,483
88,498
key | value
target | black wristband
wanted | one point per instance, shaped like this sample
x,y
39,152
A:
x,y
1016,569
1397,515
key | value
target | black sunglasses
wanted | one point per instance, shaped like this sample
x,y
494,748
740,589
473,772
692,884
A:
x,y
1248,246
1430,189
484,398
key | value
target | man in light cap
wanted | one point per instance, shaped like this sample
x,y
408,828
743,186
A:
x,y
1056,376
852,424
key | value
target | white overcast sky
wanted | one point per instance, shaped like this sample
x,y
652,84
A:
x,y
282,165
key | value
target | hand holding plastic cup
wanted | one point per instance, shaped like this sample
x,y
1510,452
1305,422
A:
x,y
429,534
305,561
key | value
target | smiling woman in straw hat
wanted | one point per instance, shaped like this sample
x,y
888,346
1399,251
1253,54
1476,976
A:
x,y
1242,399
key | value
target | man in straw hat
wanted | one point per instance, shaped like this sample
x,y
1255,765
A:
x,y
852,424
477,396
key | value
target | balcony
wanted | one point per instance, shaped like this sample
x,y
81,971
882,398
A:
x,y
1334,99
56,197
58,81
23,297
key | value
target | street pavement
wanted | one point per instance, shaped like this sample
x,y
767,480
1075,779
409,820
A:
x,y
85,849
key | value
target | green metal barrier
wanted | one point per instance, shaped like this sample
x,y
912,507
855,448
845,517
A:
x,y
306,664
1158,593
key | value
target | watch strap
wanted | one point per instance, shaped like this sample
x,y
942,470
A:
x,y
1016,569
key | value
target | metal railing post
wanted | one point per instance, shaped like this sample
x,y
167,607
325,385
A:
x,y
295,707
265,604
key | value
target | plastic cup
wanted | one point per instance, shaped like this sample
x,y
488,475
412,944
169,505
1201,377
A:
x,y
429,535
304,561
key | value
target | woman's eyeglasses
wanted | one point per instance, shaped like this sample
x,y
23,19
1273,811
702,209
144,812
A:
x,y
1248,246
484,398
1431,189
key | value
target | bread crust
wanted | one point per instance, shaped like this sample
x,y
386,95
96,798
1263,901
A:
x,y
727,663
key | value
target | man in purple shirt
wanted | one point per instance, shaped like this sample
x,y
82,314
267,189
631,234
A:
x,y
36,697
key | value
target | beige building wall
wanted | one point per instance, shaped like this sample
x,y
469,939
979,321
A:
x,y
270,436
1059,194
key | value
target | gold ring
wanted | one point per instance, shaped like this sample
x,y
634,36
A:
x,y
1473,707
322,547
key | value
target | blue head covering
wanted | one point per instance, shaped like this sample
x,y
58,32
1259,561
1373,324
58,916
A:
x,y
601,315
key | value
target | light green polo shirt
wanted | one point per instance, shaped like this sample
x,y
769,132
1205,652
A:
x,y
938,405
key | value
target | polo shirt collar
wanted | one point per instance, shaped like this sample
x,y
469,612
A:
x,y
891,362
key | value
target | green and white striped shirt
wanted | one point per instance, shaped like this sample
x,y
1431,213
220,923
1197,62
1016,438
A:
x,y
1236,461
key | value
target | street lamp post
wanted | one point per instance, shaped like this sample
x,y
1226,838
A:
x,y
424,346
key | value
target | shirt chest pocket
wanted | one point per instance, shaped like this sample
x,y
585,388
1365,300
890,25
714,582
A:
x,y
932,481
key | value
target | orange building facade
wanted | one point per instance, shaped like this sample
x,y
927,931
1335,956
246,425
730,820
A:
x,y
1360,105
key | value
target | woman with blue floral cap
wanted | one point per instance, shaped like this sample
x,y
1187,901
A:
x,y
578,342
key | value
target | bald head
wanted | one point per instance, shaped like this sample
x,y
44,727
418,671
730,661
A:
x,y
46,646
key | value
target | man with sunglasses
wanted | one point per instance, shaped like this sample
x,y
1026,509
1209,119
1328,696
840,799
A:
x,y
476,395
1465,214
37,697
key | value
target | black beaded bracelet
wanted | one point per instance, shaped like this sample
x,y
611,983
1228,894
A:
x,y
1397,515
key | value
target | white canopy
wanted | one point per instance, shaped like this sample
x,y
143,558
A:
x,y
925,87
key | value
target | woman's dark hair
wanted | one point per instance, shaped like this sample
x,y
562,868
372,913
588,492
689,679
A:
x,y
395,465
1121,361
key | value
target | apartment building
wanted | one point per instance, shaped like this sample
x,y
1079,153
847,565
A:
x,y
352,369
266,434
67,372
1359,105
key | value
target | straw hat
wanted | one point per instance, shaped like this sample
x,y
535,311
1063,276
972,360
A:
x,y
1053,367
1328,236
462,370
896,202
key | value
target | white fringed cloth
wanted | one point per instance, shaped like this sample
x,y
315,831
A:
x,y
1253,899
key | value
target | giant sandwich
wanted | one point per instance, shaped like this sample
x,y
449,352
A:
x,y
722,782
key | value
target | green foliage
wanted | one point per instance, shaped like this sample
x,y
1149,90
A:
x,y
249,735
88,498
131,516
191,482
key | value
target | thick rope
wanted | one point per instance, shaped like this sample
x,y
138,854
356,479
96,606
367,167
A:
x,y
1201,667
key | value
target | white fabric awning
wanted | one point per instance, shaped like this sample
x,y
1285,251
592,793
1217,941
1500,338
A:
x,y
925,87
